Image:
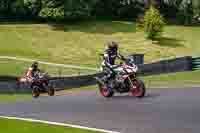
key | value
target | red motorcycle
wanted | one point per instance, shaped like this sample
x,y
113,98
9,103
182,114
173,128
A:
x,y
40,84
125,80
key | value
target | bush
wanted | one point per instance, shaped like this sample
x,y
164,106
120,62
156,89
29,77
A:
x,y
130,10
79,9
186,12
33,7
18,8
52,13
52,10
153,23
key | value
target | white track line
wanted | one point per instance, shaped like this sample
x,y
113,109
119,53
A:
x,y
59,124
48,63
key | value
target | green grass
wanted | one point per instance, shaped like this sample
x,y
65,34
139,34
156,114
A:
x,y
8,98
181,76
80,44
180,79
18,68
16,126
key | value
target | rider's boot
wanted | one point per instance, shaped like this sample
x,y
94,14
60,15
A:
x,y
100,81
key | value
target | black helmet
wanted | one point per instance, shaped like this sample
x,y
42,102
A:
x,y
112,45
35,64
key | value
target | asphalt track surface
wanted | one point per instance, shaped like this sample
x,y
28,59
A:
x,y
161,111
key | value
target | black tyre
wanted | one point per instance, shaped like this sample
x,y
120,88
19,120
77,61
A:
x,y
35,91
105,92
51,91
139,89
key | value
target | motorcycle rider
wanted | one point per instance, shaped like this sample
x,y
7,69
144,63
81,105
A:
x,y
110,55
31,72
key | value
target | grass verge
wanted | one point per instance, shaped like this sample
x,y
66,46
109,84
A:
x,y
80,43
8,98
17,126
178,80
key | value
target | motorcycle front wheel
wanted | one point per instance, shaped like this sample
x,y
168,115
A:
x,y
138,89
105,92
51,91
35,91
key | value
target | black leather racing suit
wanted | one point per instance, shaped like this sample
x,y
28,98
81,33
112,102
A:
x,y
108,63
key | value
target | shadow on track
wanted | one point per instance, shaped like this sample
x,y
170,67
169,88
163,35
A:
x,y
127,97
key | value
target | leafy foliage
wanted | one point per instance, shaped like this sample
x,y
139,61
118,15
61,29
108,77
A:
x,y
179,10
153,23
52,13
119,8
186,12
79,9
52,9
183,11
33,7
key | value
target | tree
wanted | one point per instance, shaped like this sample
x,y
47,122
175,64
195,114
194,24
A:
x,y
4,6
186,12
153,23
33,6
111,9
196,9
130,8
196,6
17,8
52,9
79,9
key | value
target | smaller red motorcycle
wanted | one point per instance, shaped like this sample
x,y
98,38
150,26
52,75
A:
x,y
40,84
124,81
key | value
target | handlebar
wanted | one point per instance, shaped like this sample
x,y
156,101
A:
x,y
40,75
